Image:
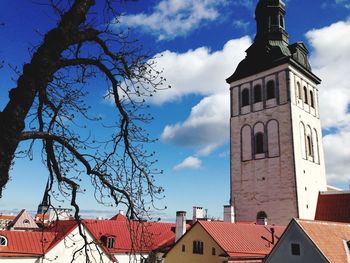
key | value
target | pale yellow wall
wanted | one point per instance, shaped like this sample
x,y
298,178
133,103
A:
x,y
197,232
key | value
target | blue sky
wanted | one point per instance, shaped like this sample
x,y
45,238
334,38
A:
x,y
201,42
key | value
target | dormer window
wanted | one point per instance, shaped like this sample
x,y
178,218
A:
x,y
3,241
108,241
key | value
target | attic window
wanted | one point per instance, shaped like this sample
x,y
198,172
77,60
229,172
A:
x,y
198,247
295,249
25,221
3,241
107,241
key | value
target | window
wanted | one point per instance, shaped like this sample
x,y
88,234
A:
x,y
257,93
274,20
261,215
281,21
309,145
245,97
107,241
300,94
312,104
197,247
295,249
305,95
213,251
270,93
25,221
259,143
3,241
183,248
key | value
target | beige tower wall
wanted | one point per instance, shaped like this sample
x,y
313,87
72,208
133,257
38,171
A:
x,y
310,170
275,183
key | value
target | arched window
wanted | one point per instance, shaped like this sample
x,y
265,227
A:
x,y
273,147
309,145
312,103
300,93
259,143
261,215
3,241
270,90
257,93
245,97
305,95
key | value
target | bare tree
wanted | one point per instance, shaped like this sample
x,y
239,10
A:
x,y
48,105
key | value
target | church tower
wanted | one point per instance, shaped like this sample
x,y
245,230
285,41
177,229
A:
x,y
277,163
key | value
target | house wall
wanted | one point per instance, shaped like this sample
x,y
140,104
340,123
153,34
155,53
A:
x,y
63,251
125,258
283,252
19,260
176,255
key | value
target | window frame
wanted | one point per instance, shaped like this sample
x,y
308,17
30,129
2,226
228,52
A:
x,y
198,247
3,241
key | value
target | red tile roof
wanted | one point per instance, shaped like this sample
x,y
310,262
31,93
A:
x,y
334,207
32,243
329,237
132,235
243,240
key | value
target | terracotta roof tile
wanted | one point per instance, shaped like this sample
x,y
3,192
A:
x,y
333,207
242,240
132,235
329,237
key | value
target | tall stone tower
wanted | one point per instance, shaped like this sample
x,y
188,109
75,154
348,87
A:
x,y
277,163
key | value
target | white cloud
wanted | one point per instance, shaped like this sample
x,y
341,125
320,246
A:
x,y
172,18
331,61
205,129
189,163
199,71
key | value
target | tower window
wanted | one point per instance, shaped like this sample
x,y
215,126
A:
x,y
274,20
300,94
309,145
312,103
281,21
295,249
270,93
257,93
305,95
245,97
259,143
3,241
198,247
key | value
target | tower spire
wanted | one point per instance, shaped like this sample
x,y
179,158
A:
x,y
45,203
270,22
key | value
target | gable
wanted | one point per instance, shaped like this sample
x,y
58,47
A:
x,y
196,233
294,234
23,221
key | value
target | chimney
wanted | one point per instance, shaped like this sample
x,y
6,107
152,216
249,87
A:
x,y
121,212
180,228
229,214
198,213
